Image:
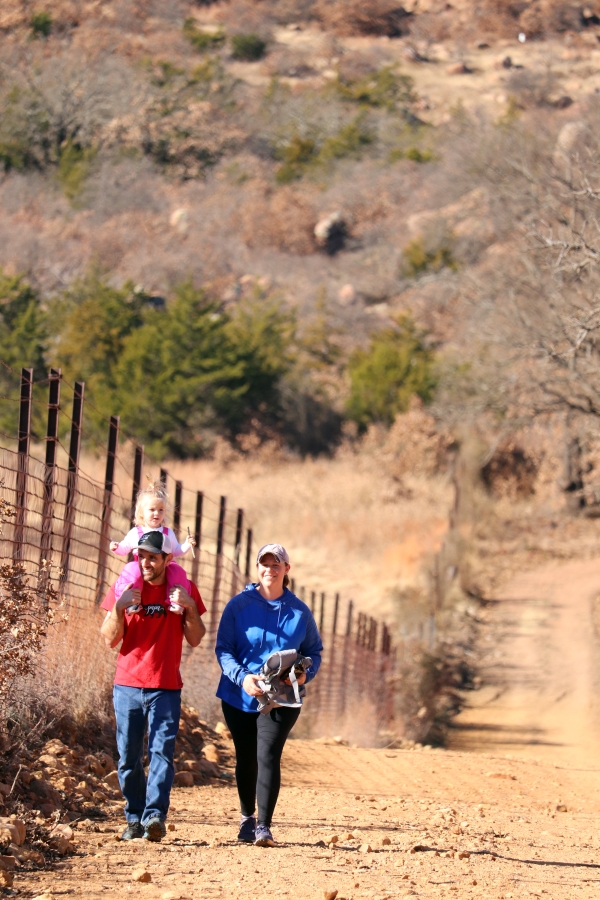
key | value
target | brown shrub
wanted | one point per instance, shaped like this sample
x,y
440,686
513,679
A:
x,y
544,17
187,140
416,444
511,472
283,219
433,27
532,88
246,17
17,14
369,17
288,62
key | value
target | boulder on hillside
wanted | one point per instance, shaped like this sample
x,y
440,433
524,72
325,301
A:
x,y
331,232
569,137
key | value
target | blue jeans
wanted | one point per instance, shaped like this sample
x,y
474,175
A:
x,y
138,709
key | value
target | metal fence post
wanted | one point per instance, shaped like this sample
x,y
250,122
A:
x,y
336,607
198,536
50,470
336,677
109,482
322,613
137,480
163,477
73,466
349,661
237,550
248,553
177,509
214,607
24,435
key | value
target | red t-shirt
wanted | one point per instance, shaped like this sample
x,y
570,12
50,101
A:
x,y
150,653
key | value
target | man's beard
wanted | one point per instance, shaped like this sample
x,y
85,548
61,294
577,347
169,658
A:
x,y
152,576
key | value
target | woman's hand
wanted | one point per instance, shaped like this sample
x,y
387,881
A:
x,y
250,685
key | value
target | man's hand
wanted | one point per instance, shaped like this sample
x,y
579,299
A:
x,y
130,599
250,685
113,627
193,626
180,598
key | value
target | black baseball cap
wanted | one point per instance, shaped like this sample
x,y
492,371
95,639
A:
x,y
155,542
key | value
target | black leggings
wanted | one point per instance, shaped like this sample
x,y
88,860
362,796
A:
x,y
259,742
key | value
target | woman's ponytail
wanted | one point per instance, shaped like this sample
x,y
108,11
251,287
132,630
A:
x,y
286,580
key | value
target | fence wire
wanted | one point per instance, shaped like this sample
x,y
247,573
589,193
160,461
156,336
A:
x,y
68,519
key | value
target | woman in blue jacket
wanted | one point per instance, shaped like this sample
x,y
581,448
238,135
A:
x,y
264,618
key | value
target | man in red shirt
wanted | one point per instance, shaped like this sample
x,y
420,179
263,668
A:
x,y
147,689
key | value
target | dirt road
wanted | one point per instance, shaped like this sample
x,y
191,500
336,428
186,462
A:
x,y
484,824
540,670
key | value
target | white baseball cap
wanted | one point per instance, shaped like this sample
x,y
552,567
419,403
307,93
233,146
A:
x,y
279,552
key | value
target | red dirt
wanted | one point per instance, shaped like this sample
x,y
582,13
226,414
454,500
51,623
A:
x,y
525,823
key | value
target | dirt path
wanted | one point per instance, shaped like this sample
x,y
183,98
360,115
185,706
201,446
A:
x,y
541,670
481,824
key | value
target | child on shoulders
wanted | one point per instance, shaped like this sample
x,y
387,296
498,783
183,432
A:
x,y
150,511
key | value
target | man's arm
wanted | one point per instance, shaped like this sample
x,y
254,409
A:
x,y
193,626
113,627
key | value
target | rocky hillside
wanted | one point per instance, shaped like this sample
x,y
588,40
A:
x,y
351,163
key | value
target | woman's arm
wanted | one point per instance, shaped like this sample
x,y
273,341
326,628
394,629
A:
x,y
312,646
225,648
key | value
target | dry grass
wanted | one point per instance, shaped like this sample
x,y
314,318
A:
x,y
365,522
348,525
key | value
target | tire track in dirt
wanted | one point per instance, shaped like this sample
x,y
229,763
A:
x,y
541,675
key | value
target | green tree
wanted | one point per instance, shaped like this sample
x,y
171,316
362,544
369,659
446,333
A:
x,y
384,377
192,371
23,339
180,375
262,337
90,324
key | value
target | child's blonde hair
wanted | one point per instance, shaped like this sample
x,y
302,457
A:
x,y
154,489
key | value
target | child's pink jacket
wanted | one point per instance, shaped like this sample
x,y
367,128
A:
x,y
130,574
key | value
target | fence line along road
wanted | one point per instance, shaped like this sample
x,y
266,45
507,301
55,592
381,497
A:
x,y
68,519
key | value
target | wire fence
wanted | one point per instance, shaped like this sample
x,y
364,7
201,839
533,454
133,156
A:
x,y
66,518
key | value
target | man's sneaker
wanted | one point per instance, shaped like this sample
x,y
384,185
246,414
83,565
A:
x,y
263,836
247,830
154,829
134,830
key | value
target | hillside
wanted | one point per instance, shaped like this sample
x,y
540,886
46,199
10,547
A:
x,y
160,156
266,185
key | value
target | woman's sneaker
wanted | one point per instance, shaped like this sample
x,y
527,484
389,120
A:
x,y
263,836
247,829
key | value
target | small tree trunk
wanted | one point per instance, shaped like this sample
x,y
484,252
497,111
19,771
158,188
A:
x,y
572,480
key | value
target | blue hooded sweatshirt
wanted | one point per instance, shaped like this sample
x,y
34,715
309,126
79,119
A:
x,y
251,628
